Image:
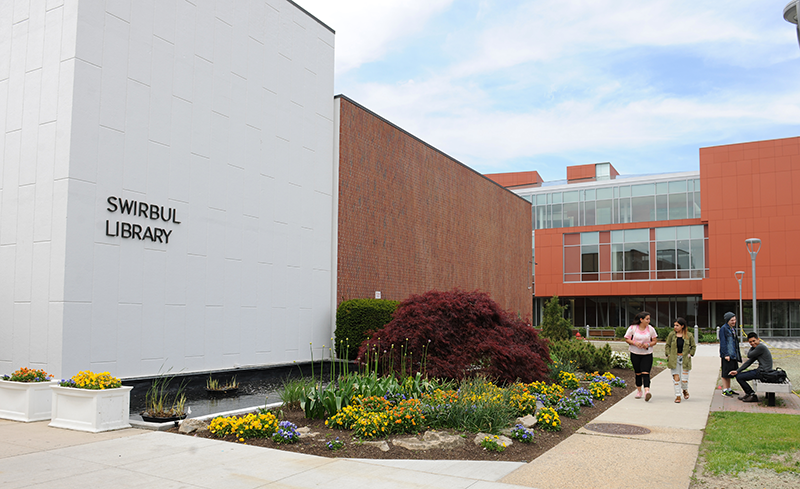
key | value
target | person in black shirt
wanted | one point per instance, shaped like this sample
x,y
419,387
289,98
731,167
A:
x,y
760,353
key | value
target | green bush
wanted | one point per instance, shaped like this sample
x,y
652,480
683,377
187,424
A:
x,y
554,325
620,331
709,338
356,319
585,356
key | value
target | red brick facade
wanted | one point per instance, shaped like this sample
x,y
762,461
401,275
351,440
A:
x,y
412,219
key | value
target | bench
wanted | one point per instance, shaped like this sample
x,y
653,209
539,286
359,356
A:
x,y
602,333
770,388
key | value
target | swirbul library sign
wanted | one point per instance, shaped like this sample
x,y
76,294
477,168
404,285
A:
x,y
131,230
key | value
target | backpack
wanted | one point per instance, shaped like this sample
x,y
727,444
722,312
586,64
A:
x,y
776,376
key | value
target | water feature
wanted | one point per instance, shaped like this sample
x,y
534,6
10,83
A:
x,y
257,387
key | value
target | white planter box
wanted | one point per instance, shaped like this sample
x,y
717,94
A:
x,y
91,410
25,401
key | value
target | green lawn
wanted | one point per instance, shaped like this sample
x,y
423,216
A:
x,y
735,442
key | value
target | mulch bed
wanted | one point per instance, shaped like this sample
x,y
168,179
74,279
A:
x,y
518,452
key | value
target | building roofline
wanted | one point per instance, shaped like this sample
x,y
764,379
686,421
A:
x,y
323,24
383,119
620,180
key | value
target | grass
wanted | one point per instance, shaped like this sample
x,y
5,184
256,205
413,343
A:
x,y
294,391
735,442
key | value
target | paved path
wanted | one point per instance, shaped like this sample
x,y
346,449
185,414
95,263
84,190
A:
x,y
592,459
34,455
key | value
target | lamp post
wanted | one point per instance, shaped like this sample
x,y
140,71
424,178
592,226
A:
x,y
739,276
754,246
790,13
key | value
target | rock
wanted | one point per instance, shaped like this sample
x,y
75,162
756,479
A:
x,y
305,432
501,439
527,421
190,425
443,440
382,445
430,440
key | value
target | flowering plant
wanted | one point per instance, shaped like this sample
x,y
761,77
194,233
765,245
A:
x,y
568,380
548,419
286,433
28,375
261,425
599,390
335,444
521,434
569,407
93,381
493,443
582,396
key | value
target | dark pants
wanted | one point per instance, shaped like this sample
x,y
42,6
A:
x,y
743,377
642,363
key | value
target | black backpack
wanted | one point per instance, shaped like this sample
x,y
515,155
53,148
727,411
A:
x,y
776,376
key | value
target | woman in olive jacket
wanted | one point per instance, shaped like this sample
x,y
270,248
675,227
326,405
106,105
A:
x,y
680,348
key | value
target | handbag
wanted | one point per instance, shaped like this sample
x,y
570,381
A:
x,y
775,376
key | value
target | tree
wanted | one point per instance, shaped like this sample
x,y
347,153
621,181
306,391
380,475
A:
x,y
457,334
554,325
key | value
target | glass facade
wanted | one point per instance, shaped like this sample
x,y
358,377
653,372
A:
x,y
668,253
777,319
617,204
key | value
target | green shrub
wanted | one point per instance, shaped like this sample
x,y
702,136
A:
x,y
620,331
356,319
584,355
663,333
709,338
554,325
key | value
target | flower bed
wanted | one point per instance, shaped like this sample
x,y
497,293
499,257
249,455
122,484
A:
x,y
436,404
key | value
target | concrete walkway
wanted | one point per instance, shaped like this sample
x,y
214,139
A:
x,y
669,452
34,455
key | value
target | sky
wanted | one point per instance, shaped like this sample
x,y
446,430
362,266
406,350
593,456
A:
x,y
515,85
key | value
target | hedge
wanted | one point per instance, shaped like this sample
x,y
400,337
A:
x,y
356,319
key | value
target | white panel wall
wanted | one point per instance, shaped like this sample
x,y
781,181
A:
x,y
35,110
219,110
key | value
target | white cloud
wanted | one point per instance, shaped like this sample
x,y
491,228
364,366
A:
x,y
367,29
529,80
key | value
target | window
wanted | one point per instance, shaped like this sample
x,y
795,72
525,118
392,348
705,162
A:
x,y
679,254
659,201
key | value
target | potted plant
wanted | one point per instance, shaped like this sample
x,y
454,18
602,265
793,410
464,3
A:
x,y
91,402
217,389
25,395
158,408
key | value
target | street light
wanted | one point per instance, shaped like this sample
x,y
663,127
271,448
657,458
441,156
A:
x,y
754,246
790,13
739,276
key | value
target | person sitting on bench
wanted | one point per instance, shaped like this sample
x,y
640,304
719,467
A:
x,y
758,352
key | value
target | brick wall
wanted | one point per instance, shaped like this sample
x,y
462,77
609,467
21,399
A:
x,y
412,219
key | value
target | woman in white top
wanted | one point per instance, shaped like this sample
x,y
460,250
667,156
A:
x,y
642,337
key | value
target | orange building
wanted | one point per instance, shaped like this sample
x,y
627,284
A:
x,y
670,244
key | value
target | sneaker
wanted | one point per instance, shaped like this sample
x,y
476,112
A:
x,y
728,393
638,395
647,397
742,397
733,392
750,398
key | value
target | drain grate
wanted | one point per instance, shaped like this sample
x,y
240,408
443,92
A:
x,y
617,429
